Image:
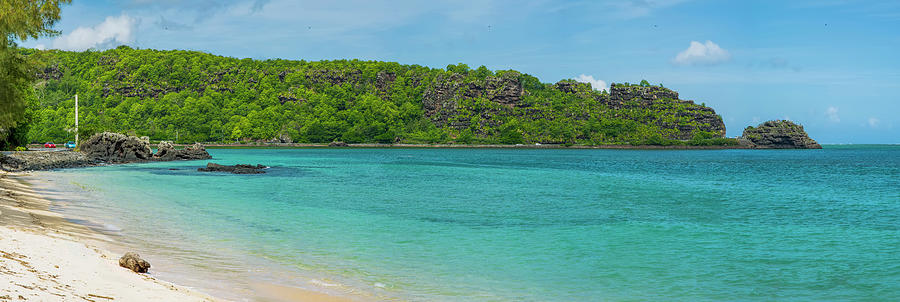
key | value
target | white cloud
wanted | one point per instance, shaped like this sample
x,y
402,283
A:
x,y
873,122
111,32
596,84
40,47
832,114
708,53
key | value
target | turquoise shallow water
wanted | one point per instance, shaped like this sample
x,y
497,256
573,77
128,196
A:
x,y
517,225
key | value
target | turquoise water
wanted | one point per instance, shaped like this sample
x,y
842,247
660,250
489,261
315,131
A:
x,y
517,225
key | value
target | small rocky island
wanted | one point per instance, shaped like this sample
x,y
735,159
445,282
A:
x,y
779,134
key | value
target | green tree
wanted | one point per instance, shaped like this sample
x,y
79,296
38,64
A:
x,y
20,19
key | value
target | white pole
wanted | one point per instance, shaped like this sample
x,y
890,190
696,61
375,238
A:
x,y
76,120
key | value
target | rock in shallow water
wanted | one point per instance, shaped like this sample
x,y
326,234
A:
x,y
134,262
165,151
115,147
236,169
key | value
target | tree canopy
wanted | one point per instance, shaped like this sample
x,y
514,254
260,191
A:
x,y
20,19
189,96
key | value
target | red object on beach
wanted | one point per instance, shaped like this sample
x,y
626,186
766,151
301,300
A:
x,y
49,145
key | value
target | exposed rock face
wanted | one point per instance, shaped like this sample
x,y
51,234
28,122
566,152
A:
x,y
778,135
440,100
115,147
569,86
195,151
236,169
703,118
440,103
165,151
622,93
383,80
134,262
338,144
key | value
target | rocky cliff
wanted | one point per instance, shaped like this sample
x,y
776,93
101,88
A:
x,y
779,134
682,118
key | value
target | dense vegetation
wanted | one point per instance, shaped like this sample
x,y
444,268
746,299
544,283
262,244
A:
x,y
20,20
189,96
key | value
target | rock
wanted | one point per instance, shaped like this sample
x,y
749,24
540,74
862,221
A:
x,y
625,93
165,151
115,147
282,139
702,118
43,160
338,144
12,164
134,262
195,151
569,86
236,169
779,134
440,100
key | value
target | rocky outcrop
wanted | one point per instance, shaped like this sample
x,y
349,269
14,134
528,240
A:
x,y
134,262
779,134
689,119
440,100
101,148
338,144
384,79
165,151
43,160
619,92
115,147
570,86
236,169
192,152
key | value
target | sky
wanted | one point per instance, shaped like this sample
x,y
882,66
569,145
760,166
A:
x,y
830,65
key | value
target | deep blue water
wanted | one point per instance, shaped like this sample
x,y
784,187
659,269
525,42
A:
x,y
518,225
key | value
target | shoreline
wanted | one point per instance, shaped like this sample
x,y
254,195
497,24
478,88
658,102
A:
x,y
464,146
47,257
44,257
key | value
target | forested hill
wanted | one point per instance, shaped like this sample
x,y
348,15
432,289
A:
x,y
199,97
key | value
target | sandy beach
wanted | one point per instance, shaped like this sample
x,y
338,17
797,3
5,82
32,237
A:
x,y
43,258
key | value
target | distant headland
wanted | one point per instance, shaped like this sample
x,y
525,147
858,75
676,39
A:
x,y
187,96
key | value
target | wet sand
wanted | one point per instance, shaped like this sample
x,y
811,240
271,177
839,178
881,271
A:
x,y
43,257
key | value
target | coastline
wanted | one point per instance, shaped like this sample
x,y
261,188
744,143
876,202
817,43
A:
x,y
476,146
47,257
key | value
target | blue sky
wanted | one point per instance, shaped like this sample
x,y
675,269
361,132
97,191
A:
x,y
832,66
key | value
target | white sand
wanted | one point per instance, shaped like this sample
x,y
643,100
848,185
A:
x,y
43,258
38,266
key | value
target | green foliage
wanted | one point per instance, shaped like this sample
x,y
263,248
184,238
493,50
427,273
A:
x,y
186,96
20,19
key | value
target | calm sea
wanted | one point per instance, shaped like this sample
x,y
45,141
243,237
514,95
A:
x,y
511,225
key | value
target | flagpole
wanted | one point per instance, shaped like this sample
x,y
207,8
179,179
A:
x,y
76,120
